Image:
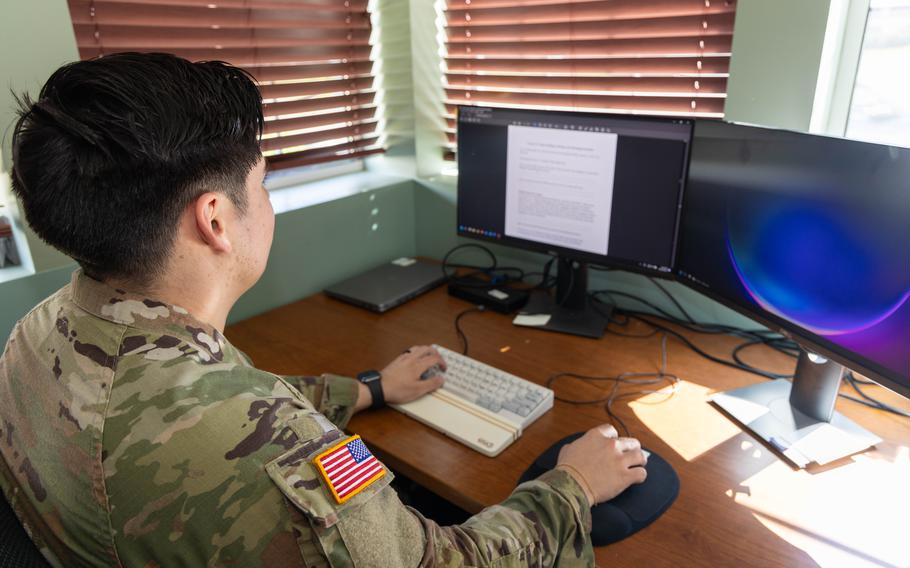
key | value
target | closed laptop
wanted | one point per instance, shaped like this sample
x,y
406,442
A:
x,y
388,285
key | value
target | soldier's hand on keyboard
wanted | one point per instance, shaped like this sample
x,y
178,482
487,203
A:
x,y
401,379
603,464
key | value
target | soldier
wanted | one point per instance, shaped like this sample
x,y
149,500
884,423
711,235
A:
x,y
133,433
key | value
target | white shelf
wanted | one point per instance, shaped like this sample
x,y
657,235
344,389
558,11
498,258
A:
x,y
26,268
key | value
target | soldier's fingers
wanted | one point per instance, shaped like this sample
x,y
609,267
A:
x,y
627,444
432,383
607,431
636,474
420,351
634,458
436,352
430,361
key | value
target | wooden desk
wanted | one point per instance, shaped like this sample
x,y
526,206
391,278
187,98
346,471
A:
x,y
739,504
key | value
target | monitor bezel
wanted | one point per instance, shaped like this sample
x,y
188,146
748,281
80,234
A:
x,y
850,359
666,272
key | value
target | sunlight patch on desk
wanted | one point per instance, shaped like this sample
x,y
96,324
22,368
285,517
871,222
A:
x,y
684,420
853,515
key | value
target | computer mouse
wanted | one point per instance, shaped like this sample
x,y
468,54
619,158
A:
x,y
630,511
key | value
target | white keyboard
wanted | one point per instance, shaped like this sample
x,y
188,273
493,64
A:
x,y
480,406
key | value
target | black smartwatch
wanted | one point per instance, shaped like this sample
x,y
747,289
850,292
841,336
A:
x,y
373,381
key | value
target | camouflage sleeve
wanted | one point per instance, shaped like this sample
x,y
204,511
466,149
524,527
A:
x,y
332,395
543,523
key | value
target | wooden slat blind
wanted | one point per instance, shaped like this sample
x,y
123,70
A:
x,y
311,58
666,57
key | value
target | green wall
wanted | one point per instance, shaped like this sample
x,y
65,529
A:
x,y
322,244
36,37
18,297
777,47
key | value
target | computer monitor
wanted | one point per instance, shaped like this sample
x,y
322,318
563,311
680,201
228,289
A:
x,y
806,234
587,187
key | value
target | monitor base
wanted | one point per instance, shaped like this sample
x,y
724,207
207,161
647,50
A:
x,y
765,410
589,321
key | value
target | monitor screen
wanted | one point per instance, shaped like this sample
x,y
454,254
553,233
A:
x,y
599,188
808,233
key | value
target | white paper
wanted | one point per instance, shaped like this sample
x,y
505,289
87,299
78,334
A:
x,y
535,320
559,187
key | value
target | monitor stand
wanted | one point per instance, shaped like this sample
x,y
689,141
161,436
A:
x,y
570,310
798,419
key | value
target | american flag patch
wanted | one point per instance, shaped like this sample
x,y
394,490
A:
x,y
349,468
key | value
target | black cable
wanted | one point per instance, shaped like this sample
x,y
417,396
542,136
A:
x,y
859,381
624,378
487,271
767,337
611,293
571,285
545,281
869,401
738,364
746,366
453,250
704,354
633,335
696,327
459,332
673,299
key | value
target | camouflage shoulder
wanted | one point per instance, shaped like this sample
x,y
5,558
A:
x,y
354,519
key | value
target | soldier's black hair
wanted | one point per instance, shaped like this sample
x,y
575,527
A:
x,y
115,148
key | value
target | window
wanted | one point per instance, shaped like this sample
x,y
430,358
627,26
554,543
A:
x,y
667,57
312,60
880,108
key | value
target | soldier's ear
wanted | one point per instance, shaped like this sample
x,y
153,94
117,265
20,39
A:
x,y
210,215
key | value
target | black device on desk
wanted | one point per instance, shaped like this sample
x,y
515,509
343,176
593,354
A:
x,y
589,187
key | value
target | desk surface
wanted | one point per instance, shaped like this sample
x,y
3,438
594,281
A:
x,y
739,504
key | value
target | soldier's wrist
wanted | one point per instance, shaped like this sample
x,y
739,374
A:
x,y
580,480
364,398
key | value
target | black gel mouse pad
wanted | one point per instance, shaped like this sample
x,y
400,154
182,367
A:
x,y
630,511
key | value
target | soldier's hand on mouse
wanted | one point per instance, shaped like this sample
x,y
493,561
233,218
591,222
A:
x,y
401,379
606,463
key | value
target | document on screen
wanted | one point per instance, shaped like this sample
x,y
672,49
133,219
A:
x,y
559,187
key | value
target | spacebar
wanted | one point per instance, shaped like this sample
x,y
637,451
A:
x,y
486,434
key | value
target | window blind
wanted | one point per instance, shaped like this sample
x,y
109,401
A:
x,y
311,58
661,57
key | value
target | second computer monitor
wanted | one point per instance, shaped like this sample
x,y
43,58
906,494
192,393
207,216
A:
x,y
593,187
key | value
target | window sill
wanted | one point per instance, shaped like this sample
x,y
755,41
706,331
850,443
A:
x,y
10,273
330,189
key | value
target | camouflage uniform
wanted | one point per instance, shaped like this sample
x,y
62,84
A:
x,y
133,434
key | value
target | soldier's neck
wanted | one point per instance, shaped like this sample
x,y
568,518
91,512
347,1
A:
x,y
206,297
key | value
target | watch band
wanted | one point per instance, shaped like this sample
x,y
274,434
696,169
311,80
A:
x,y
373,381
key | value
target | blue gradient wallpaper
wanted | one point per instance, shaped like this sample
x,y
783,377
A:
x,y
809,231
